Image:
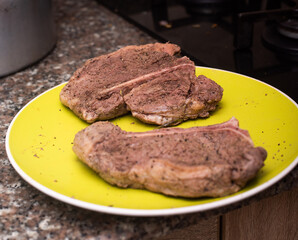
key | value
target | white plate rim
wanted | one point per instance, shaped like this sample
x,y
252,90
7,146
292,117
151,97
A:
x,y
146,212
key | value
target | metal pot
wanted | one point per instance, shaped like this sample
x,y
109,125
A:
x,y
27,33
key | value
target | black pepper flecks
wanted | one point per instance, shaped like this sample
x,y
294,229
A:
x,y
85,29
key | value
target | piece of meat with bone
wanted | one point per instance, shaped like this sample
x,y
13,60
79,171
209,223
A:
x,y
110,85
210,161
174,97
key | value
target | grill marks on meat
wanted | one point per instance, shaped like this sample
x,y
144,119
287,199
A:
x,y
140,79
211,161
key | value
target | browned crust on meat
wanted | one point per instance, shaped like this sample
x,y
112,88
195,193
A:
x,y
110,85
209,161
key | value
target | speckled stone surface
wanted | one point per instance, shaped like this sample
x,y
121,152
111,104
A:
x,y
84,29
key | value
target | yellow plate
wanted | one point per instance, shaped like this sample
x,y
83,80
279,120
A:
x,y
39,146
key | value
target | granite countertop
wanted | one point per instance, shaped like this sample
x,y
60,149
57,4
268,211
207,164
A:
x,y
85,30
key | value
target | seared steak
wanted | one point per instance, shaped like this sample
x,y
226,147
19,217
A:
x,y
102,88
210,161
174,96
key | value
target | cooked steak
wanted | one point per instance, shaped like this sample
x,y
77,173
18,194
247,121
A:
x,y
173,97
102,88
213,161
